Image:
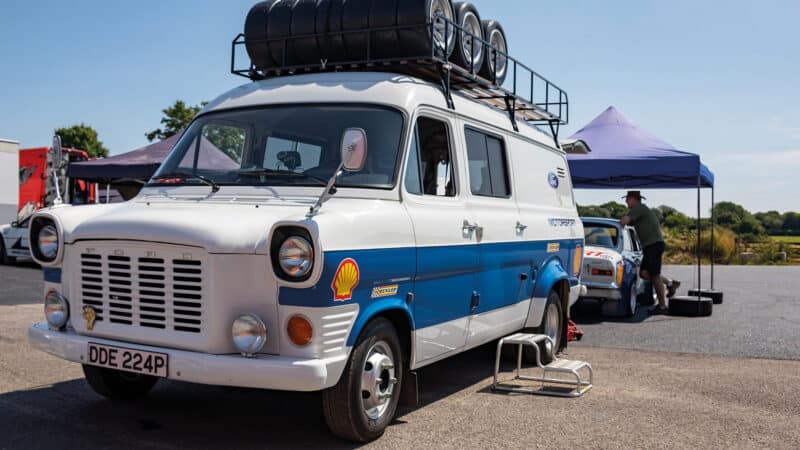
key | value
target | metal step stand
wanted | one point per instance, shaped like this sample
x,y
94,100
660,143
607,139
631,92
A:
x,y
558,367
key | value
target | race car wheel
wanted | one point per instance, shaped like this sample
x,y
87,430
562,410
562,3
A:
x,y
418,40
118,385
364,401
468,52
279,26
632,301
495,61
304,22
255,29
554,325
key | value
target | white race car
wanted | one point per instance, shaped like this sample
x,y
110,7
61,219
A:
x,y
14,243
612,259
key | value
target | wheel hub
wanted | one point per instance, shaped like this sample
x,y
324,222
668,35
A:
x,y
378,381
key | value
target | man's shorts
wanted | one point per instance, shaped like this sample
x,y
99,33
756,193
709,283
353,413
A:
x,y
651,262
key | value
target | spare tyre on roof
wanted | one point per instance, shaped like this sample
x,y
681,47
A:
x,y
469,51
255,32
279,29
420,39
304,23
495,59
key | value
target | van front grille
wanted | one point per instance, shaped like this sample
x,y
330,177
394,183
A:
x,y
151,292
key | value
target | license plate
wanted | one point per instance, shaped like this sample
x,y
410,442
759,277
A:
x,y
128,360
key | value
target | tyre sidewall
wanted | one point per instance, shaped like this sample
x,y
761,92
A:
x,y
379,330
547,357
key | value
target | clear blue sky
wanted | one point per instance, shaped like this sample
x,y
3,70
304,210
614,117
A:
x,y
719,78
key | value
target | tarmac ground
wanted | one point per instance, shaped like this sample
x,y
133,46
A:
x,y
659,382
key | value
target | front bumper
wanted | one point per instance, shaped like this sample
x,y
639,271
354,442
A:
x,y
261,372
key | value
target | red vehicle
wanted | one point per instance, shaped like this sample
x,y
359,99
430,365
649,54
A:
x,y
38,175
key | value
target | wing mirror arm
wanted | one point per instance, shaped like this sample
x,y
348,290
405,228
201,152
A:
x,y
354,157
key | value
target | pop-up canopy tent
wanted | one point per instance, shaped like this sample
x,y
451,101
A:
x,y
138,164
624,156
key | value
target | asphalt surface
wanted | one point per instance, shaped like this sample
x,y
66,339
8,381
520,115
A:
x,y
642,398
759,318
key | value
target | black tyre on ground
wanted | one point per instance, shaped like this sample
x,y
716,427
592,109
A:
x,y
554,324
255,29
364,401
118,385
495,61
279,29
468,53
690,306
418,40
304,22
383,14
631,301
356,17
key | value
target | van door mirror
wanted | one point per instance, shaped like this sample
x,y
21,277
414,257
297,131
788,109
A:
x,y
354,149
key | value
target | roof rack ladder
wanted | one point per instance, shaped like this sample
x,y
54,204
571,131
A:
x,y
555,125
511,107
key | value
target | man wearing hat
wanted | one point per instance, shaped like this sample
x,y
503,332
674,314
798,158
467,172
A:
x,y
647,227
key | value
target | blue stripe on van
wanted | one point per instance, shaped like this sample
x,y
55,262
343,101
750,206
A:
x,y
52,275
447,277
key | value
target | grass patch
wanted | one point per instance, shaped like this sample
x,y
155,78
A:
x,y
786,239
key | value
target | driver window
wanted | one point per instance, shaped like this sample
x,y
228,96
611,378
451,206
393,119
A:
x,y
434,161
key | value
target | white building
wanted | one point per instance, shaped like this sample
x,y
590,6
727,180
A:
x,y
9,180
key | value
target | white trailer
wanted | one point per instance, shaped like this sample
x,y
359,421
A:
x,y
9,180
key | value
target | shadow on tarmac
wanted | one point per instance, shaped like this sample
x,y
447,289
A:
x,y
186,415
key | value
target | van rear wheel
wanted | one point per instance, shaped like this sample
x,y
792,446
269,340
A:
x,y
364,401
118,385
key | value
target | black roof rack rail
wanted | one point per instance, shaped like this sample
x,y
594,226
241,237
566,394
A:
x,y
524,94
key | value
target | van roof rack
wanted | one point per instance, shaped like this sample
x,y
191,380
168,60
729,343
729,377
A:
x,y
524,94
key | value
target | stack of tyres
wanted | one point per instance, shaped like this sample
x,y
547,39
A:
x,y
469,51
495,61
286,33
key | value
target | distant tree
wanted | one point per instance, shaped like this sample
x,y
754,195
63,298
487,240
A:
x,y
772,221
738,219
791,222
670,217
82,137
176,118
610,210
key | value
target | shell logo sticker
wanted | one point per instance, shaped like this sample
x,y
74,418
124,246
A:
x,y
345,280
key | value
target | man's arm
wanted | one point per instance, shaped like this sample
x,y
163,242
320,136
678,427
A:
x,y
625,221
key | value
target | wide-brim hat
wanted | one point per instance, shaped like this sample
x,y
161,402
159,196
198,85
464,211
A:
x,y
634,194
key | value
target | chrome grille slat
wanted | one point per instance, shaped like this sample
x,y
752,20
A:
x,y
158,293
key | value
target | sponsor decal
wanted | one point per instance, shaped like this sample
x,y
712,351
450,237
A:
x,y
553,247
89,315
18,246
345,280
385,291
561,222
552,179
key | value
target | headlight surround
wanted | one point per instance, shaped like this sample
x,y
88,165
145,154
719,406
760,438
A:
x,y
56,310
296,257
249,334
45,238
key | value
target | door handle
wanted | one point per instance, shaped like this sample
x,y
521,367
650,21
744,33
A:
x,y
469,227
475,301
521,227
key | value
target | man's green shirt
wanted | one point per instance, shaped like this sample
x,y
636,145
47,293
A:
x,y
646,224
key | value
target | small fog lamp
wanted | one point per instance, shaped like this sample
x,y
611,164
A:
x,y
56,310
249,334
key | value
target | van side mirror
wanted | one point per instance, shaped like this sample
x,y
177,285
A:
x,y
354,149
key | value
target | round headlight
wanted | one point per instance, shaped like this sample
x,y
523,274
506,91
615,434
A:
x,y
249,334
56,310
296,257
48,241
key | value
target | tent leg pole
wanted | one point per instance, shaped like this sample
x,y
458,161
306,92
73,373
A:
x,y
699,257
713,243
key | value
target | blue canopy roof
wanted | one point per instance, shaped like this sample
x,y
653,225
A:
x,y
624,156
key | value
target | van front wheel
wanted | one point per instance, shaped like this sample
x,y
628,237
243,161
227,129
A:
x,y
553,325
364,401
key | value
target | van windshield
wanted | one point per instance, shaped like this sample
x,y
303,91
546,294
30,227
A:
x,y
283,146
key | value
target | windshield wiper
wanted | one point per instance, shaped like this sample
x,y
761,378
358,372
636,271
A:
x,y
257,173
214,186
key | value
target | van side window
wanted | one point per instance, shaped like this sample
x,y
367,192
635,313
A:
x,y
435,159
413,182
488,171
